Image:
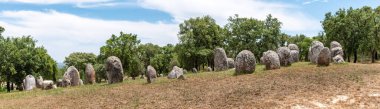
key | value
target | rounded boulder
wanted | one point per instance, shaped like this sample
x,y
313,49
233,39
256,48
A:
x,y
73,75
271,60
90,74
245,63
284,56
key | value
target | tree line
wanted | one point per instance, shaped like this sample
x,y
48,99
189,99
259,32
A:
x,y
356,29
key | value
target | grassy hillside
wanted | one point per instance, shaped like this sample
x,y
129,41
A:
x,y
299,86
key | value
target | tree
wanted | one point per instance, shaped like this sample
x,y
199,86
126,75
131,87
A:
x,y
124,47
21,57
79,61
147,51
198,38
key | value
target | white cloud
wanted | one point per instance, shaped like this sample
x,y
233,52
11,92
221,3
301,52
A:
x,y
293,20
63,33
312,1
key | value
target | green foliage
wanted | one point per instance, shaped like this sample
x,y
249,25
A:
x,y
100,72
79,61
147,51
254,35
356,29
198,36
125,47
20,57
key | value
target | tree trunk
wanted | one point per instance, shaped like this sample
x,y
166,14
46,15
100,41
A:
x,y
373,54
355,56
8,82
376,58
348,58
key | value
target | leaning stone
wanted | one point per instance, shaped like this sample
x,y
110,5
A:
x,y
175,73
220,59
271,60
284,55
90,74
245,63
324,57
151,74
114,70
72,74
29,82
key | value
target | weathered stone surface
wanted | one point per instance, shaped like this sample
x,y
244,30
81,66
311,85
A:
x,y
284,55
338,59
314,50
293,47
209,69
230,63
184,71
151,74
90,74
194,70
72,74
245,63
176,72
337,51
114,70
48,84
271,60
29,82
334,44
39,81
80,82
220,59
63,83
294,56
324,57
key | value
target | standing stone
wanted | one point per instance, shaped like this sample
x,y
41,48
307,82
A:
x,y
337,51
194,70
175,73
324,57
245,63
151,74
220,59
293,47
294,53
334,44
184,71
271,60
39,81
29,82
314,50
72,74
284,55
230,63
294,56
90,74
114,70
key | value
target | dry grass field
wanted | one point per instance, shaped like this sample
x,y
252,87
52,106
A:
x,y
299,86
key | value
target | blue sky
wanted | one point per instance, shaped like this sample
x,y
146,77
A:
x,y
66,26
